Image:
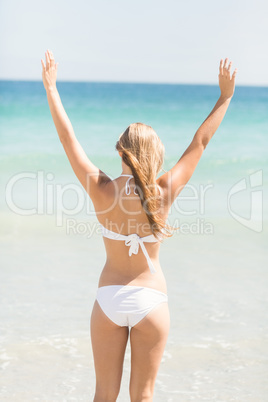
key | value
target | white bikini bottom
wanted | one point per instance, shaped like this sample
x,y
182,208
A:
x,y
127,305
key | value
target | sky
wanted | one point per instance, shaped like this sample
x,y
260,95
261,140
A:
x,y
168,41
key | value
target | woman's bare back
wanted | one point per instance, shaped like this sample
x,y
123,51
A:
x,y
124,214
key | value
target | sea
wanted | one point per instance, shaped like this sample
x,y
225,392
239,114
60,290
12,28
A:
x,y
52,254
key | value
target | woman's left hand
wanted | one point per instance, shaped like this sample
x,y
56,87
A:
x,y
226,79
49,73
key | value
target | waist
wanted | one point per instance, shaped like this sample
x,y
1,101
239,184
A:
x,y
124,275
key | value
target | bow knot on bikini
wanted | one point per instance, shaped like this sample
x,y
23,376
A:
x,y
133,242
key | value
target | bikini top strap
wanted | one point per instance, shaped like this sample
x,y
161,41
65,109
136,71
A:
x,y
127,186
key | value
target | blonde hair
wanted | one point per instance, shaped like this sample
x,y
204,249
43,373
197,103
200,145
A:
x,y
143,151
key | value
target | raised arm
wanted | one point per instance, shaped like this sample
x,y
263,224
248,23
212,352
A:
x,y
176,178
91,178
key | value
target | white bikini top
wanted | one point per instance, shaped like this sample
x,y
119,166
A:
x,y
133,241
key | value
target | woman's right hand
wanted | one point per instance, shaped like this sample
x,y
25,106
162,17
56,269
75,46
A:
x,y
49,71
226,80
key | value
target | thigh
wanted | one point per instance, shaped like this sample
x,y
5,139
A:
x,y
108,344
148,339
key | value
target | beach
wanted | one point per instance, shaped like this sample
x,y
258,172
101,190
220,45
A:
x,y
52,253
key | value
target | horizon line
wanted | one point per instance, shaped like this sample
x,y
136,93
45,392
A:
x,y
132,82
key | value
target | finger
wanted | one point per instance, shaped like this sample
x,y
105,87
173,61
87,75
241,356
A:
x,y
47,60
234,74
225,69
225,62
43,64
228,71
221,66
52,60
50,54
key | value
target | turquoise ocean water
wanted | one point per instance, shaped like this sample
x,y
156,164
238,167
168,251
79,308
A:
x,y
52,255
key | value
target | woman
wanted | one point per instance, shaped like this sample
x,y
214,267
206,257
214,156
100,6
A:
x,y
132,211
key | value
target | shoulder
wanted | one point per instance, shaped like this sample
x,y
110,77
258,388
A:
x,y
105,194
